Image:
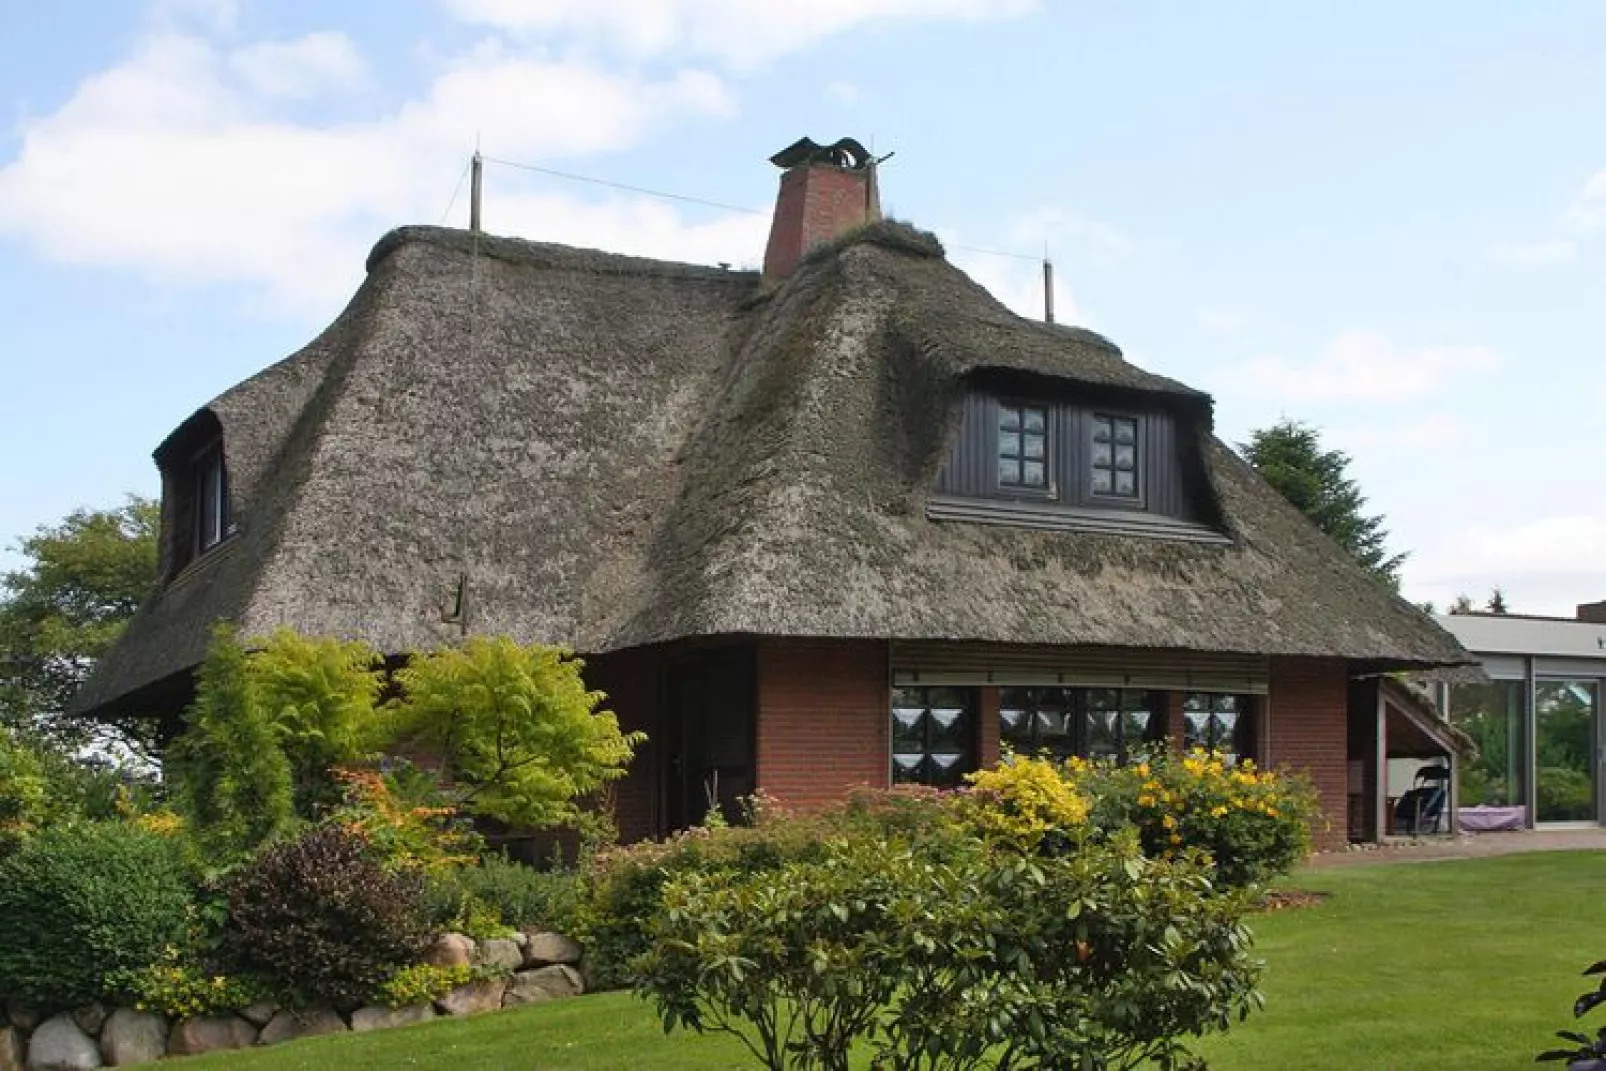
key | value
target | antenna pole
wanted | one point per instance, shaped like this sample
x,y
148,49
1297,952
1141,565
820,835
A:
x,y
1048,291
477,172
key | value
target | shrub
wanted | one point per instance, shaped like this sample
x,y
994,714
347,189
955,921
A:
x,y
24,792
623,887
972,956
230,775
180,988
517,729
404,818
500,894
81,903
1255,824
320,917
424,982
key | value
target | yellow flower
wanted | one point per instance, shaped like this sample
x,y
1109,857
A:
x,y
1169,821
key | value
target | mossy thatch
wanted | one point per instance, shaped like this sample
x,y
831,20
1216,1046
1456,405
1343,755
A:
x,y
608,451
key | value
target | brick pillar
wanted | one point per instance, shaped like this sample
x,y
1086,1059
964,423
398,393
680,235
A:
x,y
1176,730
824,719
1308,730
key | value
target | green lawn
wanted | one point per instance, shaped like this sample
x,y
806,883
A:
x,y
1459,965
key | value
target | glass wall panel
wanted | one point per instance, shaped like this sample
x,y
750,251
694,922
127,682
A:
x,y
1564,749
1492,714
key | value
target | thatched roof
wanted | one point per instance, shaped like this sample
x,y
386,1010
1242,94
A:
x,y
616,451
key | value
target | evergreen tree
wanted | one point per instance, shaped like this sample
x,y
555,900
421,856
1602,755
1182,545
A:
x,y
1290,456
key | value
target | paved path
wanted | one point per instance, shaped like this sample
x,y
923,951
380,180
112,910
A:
x,y
1466,846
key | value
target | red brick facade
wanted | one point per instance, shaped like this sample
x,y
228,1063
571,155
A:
x,y
824,721
822,726
1308,730
817,203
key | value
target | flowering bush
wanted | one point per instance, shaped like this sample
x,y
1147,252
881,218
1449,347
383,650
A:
x,y
1254,824
1023,802
179,989
421,983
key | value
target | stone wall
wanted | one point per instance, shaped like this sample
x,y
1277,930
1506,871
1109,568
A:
x,y
529,968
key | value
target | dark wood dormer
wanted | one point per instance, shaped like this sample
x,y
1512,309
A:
x,y
1043,459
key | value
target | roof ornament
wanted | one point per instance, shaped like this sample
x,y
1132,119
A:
x,y
845,153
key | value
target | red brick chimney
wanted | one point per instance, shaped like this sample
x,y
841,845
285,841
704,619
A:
x,y
1592,612
826,190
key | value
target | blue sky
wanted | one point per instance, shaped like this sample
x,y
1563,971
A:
x,y
1385,219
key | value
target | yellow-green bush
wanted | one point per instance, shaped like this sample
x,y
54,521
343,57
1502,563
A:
x,y
1255,824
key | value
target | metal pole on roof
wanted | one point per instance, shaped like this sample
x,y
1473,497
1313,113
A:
x,y
1048,291
478,172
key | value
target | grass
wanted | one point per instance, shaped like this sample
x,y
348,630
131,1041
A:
x,y
1458,965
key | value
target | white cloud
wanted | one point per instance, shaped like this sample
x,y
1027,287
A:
x,y
739,33
1537,254
174,165
300,69
1588,211
1364,366
1544,566
1415,431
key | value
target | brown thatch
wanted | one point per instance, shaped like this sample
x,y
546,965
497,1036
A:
x,y
616,451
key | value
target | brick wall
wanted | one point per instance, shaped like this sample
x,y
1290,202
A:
x,y
823,718
1309,731
816,204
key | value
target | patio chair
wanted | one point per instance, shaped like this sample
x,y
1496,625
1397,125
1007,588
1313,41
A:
x,y
1421,810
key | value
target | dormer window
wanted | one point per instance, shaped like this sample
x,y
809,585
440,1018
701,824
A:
x,y
1023,453
1115,461
210,487
1056,460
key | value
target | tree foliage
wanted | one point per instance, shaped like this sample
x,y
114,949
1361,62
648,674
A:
x,y
1290,456
229,771
517,730
320,695
81,582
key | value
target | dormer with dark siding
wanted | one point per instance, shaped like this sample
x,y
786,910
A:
x,y
1074,460
197,514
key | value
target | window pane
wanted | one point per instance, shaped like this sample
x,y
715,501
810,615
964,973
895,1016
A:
x,y
1102,432
1126,484
1034,445
1126,457
1101,733
1008,472
1035,420
932,737
1008,417
1126,431
1009,444
1492,714
1033,474
1101,455
1103,480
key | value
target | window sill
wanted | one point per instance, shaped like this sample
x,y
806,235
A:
x,y
222,549
1017,514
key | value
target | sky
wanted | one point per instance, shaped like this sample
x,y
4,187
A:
x,y
1387,220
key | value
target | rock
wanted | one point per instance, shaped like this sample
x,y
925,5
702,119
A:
x,y
520,938
306,1023
364,1019
451,950
500,952
61,1045
545,948
209,1033
13,1053
133,1037
260,1013
90,1018
474,998
544,983
22,1017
